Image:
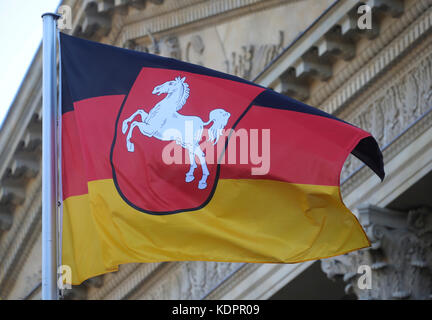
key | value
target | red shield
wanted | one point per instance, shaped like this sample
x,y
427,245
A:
x,y
152,177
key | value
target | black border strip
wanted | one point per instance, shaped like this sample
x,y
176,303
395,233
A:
x,y
88,65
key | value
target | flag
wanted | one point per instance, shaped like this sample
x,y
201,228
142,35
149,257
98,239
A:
x,y
164,160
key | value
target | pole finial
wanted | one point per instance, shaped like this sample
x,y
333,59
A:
x,y
54,15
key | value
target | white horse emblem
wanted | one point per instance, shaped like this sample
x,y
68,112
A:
x,y
165,123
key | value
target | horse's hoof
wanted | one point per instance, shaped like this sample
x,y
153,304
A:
x,y
202,185
125,126
189,178
130,147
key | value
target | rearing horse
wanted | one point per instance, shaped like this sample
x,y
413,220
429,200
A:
x,y
165,123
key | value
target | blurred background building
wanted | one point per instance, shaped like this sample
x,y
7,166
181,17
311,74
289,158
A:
x,y
370,65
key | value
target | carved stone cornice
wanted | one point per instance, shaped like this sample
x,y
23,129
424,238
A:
x,y
185,280
16,243
196,280
95,16
397,122
20,142
187,17
326,25
121,283
337,91
154,11
390,46
400,259
25,109
256,281
150,280
171,280
168,9
362,173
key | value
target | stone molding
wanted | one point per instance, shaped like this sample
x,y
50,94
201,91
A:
x,y
188,16
149,281
183,280
409,119
120,21
19,182
409,136
121,284
256,281
16,244
336,91
391,45
300,48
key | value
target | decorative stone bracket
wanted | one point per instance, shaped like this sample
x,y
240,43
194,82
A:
x,y
400,258
24,166
96,21
339,41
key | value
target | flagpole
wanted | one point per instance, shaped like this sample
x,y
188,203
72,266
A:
x,y
49,159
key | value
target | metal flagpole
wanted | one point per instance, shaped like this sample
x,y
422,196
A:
x,y
49,159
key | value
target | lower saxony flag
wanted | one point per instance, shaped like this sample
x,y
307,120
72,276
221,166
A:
x,y
164,160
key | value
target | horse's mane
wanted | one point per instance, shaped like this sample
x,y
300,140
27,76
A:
x,y
185,93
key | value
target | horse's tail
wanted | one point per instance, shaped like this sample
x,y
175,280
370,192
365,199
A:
x,y
219,117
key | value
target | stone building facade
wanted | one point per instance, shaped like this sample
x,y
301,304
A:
x,y
313,50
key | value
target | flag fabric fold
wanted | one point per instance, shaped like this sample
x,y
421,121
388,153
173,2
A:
x,y
164,160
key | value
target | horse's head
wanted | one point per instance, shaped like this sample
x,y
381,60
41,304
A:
x,y
220,119
169,86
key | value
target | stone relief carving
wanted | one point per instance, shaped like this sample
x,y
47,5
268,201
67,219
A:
x,y
246,64
151,48
400,257
253,58
170,47
395,109
192,280
194,50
